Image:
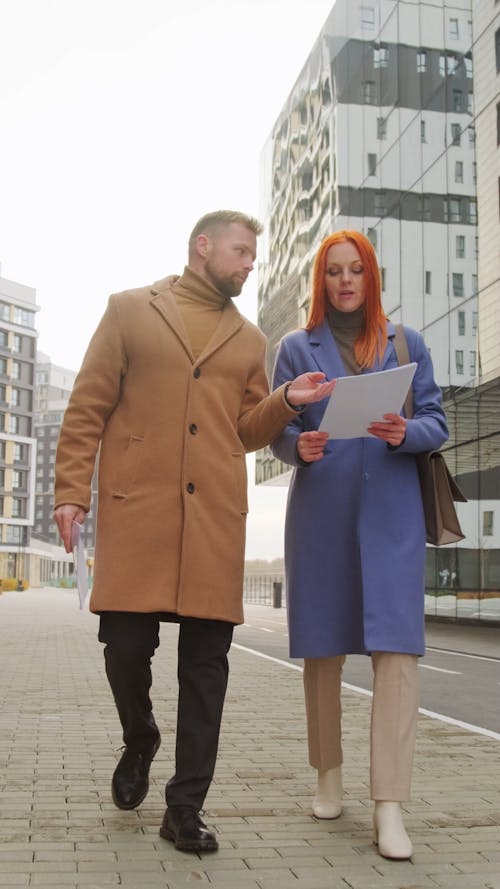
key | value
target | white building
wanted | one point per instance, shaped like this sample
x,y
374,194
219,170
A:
x,y
379,134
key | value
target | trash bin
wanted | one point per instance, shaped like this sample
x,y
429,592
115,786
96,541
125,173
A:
x,y
277,585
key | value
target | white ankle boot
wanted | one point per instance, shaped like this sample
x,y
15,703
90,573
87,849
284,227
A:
x,y
389,832
328,800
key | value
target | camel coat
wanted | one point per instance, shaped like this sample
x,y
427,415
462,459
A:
x,y
173,432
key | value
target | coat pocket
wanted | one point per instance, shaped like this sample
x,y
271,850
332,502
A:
x,y
126,467
240,482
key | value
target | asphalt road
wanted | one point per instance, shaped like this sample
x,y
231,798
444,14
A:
x,y
459,675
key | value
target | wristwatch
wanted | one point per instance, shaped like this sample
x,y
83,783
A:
x,y
295,407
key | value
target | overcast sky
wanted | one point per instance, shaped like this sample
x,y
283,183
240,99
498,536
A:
x,y
122,122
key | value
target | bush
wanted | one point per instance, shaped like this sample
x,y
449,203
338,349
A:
x,y
12,583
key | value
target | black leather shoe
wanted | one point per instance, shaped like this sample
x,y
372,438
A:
x,y
185,829
130,782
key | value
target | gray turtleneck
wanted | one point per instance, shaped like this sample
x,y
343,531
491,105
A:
x,y
345,328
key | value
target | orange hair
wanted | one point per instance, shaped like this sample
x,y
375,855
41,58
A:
x,y
373,338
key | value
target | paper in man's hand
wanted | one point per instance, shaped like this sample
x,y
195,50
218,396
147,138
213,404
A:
x,y
80,562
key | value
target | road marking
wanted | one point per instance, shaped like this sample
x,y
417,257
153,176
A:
x,y
439,669
477,657
475,729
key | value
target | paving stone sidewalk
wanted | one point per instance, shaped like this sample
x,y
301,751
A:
x,y
59,742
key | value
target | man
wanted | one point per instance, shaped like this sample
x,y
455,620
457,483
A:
x,y
174,392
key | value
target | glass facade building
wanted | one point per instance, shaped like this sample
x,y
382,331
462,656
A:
x,y
382,133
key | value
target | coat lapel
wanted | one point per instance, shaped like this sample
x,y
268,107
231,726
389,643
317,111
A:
x,y
325,352
163,300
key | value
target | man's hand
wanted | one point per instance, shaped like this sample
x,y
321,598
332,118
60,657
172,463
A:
x,y
311,445
308,388
64,516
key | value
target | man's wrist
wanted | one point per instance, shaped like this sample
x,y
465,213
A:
x,y
295,407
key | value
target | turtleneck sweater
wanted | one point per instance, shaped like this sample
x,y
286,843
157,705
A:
x,y
200,306
345,328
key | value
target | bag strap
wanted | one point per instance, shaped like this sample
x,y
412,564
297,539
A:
x,y
403,356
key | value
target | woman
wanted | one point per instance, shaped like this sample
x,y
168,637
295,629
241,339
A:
x,y
355,534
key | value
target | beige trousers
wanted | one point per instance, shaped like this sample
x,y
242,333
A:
x,y
393,719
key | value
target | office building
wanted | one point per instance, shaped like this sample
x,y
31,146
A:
x,y
384,131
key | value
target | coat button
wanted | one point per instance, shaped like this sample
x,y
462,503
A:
x,y
366,476
196,373
190,488
193,428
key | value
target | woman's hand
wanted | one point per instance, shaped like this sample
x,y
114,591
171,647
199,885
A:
x,y
392,430
311,445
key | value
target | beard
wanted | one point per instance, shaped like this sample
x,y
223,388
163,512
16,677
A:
x,y
227,286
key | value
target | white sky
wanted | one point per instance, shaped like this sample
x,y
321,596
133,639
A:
x,y
121,123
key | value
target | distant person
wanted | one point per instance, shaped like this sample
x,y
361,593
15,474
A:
x,y
173,390
355,534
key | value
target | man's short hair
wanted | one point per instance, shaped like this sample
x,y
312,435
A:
x,y
211,222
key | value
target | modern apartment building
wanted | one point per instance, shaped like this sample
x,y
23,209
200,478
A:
x,y
17,446
53,385
379,134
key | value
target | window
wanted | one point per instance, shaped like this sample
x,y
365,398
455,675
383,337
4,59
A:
x,y
488,523
457,100
372,164
372,237
380,56
459,171
458,284
470,103
454,210
17,343
442,65
381,128
4,339
17,479
424,207
474,284
456,131
451,64
459,361
13,425
17,508
460,246
474,171
428,282
4,312
16,370
468,66
474,323
369,92
2,478
498,123
379,208
454,32
15,397
461,323
24,318
3,394
367,18
473,211
497,49
472,364
421,61
472,135
422,131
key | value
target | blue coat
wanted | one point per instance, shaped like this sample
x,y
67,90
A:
x,y
354,533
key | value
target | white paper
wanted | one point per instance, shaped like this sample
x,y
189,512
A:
x,y
80,562
360,400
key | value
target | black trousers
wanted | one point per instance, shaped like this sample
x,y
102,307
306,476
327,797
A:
x,y
202,671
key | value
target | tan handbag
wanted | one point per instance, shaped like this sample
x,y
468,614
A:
x,y
439,488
